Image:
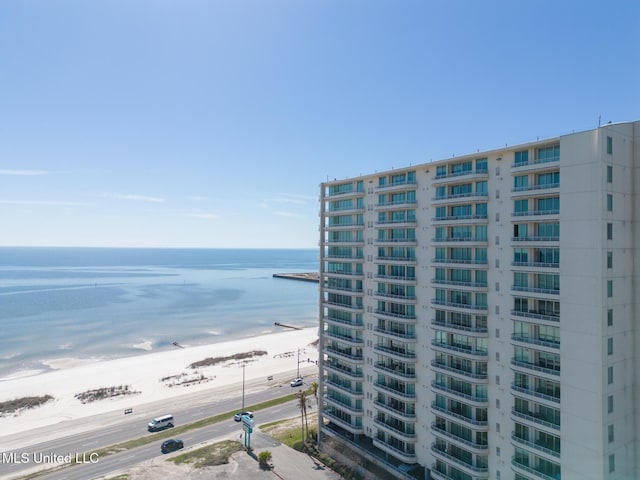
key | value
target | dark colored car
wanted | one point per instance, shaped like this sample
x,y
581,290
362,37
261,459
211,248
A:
x,y
171,445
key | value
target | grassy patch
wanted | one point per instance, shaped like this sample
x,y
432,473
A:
x,y
16,404
210,361
209,456
105,392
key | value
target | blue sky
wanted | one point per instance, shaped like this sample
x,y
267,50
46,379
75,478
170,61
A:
x,y
192,123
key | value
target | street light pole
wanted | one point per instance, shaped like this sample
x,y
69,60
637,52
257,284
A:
x,y
243,365
298,375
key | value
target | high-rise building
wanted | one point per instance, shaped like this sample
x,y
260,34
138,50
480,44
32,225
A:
x,y
480,315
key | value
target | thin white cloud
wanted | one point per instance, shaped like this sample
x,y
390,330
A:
x,y
297,198
23,172
295,201
135,198
287,214
45,203
205,216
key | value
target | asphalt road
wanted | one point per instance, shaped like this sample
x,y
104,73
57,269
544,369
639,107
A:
x,y
129,458
85,436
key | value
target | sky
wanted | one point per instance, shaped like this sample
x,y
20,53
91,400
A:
x,y
206,124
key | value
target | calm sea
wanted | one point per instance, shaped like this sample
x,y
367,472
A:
x,y
87,303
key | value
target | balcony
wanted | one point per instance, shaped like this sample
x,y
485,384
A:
x,y
397,428
481,424
354,341
535,418
344,353
343,370
357,324
526,468
451,218
459,462
536,367
538,446
462,261
396,241
402,334
395,185
344,387
342,405
409,457
478,172
468,196
536,264
546,291
395,369
409,260
466,306
533,393
407,317
459,349
394,409
536,238
460,239
535,341
403,353
397,389
343,306
467,443
475,285
347,425
457,371
535,315
530,213
459,327
534,188
466,396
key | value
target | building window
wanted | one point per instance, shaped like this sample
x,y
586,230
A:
x,y
609,346
609,375
610,145
609,288
612,463
609,259
609,174
609,202
521,158
610,404
610,317
610,431
609,231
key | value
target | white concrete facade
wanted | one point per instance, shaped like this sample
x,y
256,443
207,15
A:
x,y
479,315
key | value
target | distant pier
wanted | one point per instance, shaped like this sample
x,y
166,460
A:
x,y
305,277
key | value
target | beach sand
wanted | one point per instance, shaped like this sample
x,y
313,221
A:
x,y
156,376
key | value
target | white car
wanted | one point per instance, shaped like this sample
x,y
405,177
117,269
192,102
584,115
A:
x,y
297,382
238,416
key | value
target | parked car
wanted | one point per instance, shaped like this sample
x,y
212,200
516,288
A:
x,y
296,382
238,416
171,445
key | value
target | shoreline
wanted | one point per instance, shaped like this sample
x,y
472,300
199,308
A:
x,y
54,363
153,376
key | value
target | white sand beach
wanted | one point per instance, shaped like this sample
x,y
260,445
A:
x,y
153,376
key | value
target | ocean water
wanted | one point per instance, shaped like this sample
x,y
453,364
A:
x,y
100,303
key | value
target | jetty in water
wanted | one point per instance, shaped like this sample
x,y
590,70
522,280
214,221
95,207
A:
x,y
305,277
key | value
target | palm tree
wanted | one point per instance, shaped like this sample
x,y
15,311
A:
x,y
314,389
302,403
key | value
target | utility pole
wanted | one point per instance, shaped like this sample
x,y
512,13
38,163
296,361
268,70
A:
x,y
243,365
